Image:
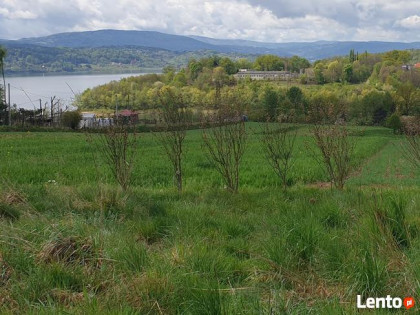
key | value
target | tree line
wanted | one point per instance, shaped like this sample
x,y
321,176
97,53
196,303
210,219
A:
x,y
38,59
224,144
365,89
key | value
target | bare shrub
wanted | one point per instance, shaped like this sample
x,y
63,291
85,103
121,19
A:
x,y
177,119
278,142
336,148
118,147
225,146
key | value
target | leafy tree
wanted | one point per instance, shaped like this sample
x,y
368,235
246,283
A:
x,y
408,97
352,57
194,68
71,119
361,71
168,69
296,98
325,107
333,71
347,75
319,73
229,66
412,76
388,73
374,107
169,72
180,79
211,62
269,63
219,78
303,79
270,103
394,122
243,63
397,57
295,95
296,63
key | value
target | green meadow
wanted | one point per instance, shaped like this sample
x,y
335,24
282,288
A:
x,y
72,242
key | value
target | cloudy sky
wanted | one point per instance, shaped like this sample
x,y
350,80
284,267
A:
x,y
264,20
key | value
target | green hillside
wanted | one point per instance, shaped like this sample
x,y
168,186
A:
x,y
28,59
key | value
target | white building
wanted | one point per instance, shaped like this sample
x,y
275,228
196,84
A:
x,y
265,75
90,120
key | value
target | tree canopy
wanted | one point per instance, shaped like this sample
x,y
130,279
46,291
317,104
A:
x,y
363,88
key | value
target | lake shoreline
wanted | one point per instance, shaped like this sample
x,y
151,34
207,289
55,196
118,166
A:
x,y
34,91
75,73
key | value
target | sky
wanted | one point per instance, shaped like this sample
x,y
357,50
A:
x,y
264,20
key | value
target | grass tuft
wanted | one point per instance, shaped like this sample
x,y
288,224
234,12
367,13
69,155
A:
x,y
71,251
9,212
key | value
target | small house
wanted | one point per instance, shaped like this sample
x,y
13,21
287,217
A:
x,y
128,116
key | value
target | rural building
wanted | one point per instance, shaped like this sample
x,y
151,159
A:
x,y
408,67
265,75
90,120
128,116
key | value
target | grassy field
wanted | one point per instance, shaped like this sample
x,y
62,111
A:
x,y
71,241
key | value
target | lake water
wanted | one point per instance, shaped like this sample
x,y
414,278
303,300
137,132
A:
x,y
27,91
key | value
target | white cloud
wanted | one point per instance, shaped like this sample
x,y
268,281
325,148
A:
x,y
18,14
411,22
4,12
378,34
24,15
268,20
219,19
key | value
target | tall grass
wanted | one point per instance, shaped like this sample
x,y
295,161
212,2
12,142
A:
x,y
82,247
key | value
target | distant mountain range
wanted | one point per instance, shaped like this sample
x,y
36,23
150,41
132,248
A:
x,y
116,38
110,51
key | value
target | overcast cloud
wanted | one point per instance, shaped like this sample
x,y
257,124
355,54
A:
x,y
264,20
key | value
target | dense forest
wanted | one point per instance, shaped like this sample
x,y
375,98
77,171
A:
x,y
39,59
362,88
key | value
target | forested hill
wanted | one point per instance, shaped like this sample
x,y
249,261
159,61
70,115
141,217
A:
x,y
314,50
113,50
117,38
32,59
